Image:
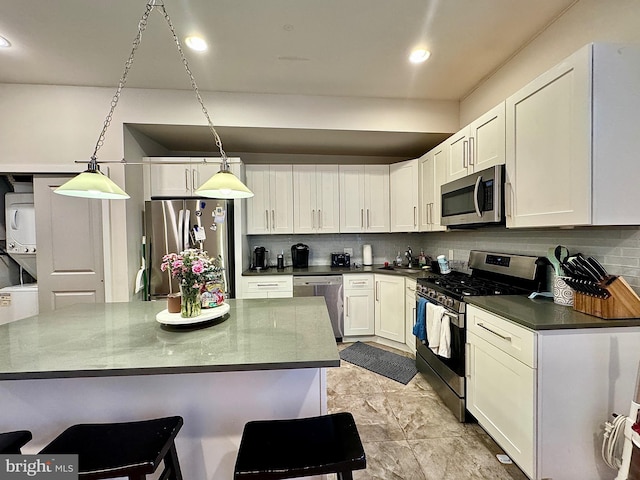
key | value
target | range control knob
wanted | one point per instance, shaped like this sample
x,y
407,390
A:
x,y
12,245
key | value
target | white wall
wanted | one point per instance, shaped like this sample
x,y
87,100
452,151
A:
x,y
587,21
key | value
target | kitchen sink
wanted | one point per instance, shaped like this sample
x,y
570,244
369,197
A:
x,y
403,269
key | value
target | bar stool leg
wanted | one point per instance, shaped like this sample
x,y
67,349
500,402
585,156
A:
x,y
171,465
345,475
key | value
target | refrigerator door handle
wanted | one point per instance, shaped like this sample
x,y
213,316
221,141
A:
x,y
180,229
186,229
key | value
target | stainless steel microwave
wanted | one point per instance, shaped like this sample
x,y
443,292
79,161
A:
x,y
475,200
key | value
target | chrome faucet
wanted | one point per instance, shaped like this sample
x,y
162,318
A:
x,y
409,255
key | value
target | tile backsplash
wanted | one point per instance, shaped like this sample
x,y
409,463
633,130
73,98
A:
x,y
617,248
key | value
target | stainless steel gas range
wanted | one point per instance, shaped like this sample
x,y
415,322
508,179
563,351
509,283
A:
x,y
492,274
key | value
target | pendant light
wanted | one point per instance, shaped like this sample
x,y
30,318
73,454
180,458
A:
x,y
92,183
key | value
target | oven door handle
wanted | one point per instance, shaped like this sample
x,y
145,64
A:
x,y
508,339
476,192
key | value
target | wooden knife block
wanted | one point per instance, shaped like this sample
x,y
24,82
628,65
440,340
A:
x,y
623,302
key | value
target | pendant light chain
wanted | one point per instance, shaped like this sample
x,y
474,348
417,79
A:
x,y
142,25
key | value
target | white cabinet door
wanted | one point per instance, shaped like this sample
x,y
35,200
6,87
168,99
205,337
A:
x,y
501,395
410,314
487,140
304,199
477,146
351,198
327,199
376,194
171,180
364,198
403,187
548,166
432,175
270,210
359,305
316,204
389,307
258,206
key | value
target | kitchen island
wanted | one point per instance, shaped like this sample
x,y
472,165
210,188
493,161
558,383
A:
x,y
115,362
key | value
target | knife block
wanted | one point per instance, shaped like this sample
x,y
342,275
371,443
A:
x,y
623,302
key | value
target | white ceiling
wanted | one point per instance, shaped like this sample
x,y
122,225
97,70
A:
x,y
305,47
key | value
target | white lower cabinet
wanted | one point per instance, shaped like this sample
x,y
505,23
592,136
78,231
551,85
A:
x,y
358,304
410,313
267,286
501,379
389,307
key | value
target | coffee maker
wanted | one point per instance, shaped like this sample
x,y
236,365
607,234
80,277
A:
x,y
300,255
259,259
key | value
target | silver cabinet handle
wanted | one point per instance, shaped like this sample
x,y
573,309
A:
x,y
320,219
273,219
481,325
348,302
368,219
415,216
431,213
313,219
377,291
415,316
195,179
471,152
362,218
186,179
465,152
267,284
266,214
467,360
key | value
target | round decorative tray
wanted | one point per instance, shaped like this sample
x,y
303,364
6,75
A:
x,y
207,314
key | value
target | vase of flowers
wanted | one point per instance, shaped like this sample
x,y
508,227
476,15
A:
x,y
194,269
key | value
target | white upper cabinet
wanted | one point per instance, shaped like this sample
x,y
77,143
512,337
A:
x,y
364,198
477,146
270,210
403,180
316,199
432,168
182,176
572,142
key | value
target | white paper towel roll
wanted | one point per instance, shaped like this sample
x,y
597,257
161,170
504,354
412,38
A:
x,y
367,256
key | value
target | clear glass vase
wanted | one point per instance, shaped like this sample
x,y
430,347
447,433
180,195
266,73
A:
x,y
190,305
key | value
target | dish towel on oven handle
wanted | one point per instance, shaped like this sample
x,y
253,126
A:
x,y
420,327
434,324
444,348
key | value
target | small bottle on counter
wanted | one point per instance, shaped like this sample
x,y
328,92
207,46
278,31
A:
x,y
422,260
399,260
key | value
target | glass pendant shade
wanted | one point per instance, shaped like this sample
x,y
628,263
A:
x,y
224,184
92,184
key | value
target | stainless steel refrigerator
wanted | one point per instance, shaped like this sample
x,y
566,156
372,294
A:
x,y
174,225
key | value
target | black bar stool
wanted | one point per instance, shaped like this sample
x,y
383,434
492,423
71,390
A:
x,y
129,449
12,442
278,449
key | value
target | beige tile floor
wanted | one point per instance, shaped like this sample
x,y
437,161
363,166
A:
x,y
408,433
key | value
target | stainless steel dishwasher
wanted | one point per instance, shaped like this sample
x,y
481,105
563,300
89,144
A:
x,y
329,287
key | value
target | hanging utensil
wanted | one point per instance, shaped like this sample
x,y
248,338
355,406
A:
x,y
551,256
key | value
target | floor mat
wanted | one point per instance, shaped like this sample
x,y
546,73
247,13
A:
x,y
391,365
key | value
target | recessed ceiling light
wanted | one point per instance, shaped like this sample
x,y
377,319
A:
x,y
419,55
4,43
196,43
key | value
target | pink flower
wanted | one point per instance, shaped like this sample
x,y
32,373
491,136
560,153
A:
x,y
197,267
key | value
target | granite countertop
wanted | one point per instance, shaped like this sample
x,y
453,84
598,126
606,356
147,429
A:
x,y
113,339
542,314
329,270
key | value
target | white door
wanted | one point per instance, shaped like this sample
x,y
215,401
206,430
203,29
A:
x,y
281,195
351,198
457,155
410,312
389,307
376,195
359,312
327,199
171,180
486,139
259,206
425,190
440,173
70,260
403,181
305,211
548,161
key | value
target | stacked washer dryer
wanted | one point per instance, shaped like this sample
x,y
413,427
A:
x,y
20,301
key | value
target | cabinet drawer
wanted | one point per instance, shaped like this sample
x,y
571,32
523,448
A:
x,y
268,283
512,339
358,281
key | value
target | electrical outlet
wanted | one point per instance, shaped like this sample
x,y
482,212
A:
x,y
349,251
450,254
